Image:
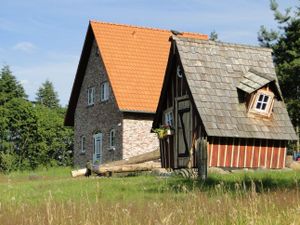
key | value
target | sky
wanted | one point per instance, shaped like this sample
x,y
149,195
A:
x,y
43,40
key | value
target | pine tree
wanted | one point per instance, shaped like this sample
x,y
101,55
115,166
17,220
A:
x,y
47,96
285,43
9,87
213,36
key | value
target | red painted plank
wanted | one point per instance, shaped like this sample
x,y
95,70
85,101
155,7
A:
x,y
256,154
214,153
269,152
263,154
248,152
281,158
242,154
221,152
275,157
235,155
229,153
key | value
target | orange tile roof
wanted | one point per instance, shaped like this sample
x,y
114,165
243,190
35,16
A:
x,y
135,59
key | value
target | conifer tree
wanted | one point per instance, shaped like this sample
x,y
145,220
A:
x,y
47,96
9,87
285,42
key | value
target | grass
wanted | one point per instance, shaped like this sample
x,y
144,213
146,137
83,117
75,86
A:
x,y
52,197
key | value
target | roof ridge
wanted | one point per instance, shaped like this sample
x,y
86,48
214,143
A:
x,y
144,27
189,39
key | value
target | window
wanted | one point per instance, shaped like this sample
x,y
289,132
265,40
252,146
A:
x,y
104,92
169,118
112,138
82,144
262,102
179,72
91,96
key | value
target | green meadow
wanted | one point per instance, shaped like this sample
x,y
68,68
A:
x,y
53,197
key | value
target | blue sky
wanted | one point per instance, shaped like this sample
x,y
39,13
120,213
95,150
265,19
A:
x,y
42,40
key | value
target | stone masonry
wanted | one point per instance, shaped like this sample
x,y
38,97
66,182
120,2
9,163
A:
x,y
137,138
132,132
101,117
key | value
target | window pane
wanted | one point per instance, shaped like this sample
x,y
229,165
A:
x,y
263,106
258,105
266,98
260,98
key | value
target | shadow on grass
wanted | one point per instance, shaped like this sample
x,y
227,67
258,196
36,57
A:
x,y
244,182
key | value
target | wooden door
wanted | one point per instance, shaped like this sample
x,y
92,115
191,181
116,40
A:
x,y
97,156
183,130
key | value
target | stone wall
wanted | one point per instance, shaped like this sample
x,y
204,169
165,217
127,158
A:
x,y
137,138
101,117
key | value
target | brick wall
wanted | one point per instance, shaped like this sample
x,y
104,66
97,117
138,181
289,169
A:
x,y
137,138
101,117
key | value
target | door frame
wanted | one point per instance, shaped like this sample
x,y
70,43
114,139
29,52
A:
x,y
97,156
177,100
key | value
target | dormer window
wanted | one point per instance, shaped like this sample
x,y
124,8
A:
x,y
262,103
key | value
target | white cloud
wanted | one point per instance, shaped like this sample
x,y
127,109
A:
x,y
26,47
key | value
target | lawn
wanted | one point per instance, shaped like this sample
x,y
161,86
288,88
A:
x,y
53,197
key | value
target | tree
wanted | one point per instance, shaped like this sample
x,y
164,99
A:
x,y
9,86
213,36
285,43
31,135
47,96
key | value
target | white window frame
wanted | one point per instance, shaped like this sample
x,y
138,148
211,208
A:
x,y
82,144
263,103
91,96
104,92
112,138
169,117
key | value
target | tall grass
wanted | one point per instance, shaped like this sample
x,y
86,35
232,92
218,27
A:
x,y
54,198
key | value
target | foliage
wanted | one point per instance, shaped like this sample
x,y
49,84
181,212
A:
x,y
213,36
285,43
163,131
31,135
9,86
47,96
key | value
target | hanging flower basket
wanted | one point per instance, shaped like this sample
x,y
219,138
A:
x,y
163,131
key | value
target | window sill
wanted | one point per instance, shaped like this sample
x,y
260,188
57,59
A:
x,y
104,101
89,106
113,148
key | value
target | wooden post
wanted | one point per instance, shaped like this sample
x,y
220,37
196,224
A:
x,y
298,140
201,153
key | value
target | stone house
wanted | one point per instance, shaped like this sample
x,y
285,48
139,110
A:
x,y
116,90
221,106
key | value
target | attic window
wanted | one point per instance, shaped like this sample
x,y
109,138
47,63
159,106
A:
x,y
104,95
179,71
262,103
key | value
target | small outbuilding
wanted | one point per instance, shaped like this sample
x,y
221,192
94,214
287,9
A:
x,y
221,106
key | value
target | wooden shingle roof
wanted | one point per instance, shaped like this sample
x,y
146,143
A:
x,y
253,81
213,71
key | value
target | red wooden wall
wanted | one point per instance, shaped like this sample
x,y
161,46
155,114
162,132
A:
x,y
246,153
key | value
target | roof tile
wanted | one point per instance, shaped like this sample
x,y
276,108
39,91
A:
x,y
135,59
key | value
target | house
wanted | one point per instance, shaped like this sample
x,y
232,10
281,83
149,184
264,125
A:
x,y
116,90
221,106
